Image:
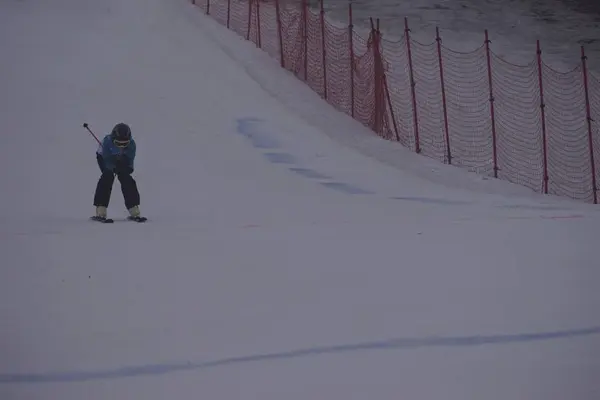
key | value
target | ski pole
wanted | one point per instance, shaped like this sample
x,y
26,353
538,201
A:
x,y
86,126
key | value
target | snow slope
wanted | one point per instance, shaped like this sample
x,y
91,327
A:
x,y
290,254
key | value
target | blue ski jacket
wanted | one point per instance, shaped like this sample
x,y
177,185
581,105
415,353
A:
x,y
112,154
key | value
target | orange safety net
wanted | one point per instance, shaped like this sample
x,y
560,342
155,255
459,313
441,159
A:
x,y
527,124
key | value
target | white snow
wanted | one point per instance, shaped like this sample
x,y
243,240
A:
x,y
260,276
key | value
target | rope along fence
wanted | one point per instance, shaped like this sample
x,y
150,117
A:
x,y
528,124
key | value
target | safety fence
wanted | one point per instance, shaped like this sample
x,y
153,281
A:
x,y
528,124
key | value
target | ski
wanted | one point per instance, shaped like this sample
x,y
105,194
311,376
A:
x,y
137,219
110,220
102,220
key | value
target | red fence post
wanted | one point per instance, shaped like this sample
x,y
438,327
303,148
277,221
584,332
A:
x,y
279,34
305,37
323,48
493,116
444,106
543,114
388,98
351,42
228,12
412,86
376,77
258,34
382,93
249,19
589,123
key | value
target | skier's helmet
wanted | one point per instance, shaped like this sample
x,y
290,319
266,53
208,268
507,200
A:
x,y
121,135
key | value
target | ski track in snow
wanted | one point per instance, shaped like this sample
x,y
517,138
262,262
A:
x,y
393,344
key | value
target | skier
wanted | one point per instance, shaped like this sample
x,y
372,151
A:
x,y
115,156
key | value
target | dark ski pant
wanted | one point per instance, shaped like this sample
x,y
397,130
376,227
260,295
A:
x,y
105,184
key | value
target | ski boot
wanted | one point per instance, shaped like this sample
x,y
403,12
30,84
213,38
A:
x,y
101,215
135,215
